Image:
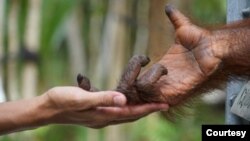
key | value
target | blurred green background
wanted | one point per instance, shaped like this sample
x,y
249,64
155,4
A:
x,y
46,43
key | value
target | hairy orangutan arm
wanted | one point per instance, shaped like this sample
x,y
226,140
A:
x,y
232,45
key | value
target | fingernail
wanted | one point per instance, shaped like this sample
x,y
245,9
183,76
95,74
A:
x,y
119,100
169,9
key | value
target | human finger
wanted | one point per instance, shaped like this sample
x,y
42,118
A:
x,y
104,98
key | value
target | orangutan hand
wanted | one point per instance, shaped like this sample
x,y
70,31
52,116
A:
x,y
190,63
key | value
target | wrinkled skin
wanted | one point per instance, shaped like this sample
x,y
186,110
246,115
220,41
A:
x,y
202,59
136,90
199,60
188,63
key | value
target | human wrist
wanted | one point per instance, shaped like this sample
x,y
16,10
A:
x,y
38,113
46,107
24,114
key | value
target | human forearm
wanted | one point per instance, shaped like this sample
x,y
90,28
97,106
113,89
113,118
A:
x,y
23,114
71,105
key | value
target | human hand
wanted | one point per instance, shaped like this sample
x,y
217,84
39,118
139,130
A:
x,y
72,105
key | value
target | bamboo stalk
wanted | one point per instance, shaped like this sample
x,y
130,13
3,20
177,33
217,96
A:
x,y
33,25
113,45
113,55
141,42
30,72
2,14
77,55
95,32
159,31
12,52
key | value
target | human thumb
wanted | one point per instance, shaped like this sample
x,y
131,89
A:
x,y
106,98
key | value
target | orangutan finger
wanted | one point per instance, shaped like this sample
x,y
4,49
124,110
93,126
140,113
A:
x,y
176,17
151,76
83,82
132,71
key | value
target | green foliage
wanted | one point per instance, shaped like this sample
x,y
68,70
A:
x,y
188,128
53,14
208,11
23,9
52,49
61,133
